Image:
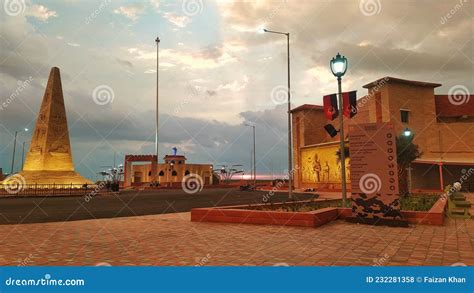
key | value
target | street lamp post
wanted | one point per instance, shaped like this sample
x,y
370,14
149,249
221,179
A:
x,y
290,165
254,156
13,155
408,134
14,151
157,40
22,155
339,67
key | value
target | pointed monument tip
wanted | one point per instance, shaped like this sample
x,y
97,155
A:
x,y
54,74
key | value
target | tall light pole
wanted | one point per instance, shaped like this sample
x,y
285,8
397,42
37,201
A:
x,y
14,150
22,155
157,40
13,155
290,164
254,156
339,68
408,134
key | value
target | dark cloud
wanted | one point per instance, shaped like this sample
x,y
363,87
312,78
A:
x,y
375,59
405,38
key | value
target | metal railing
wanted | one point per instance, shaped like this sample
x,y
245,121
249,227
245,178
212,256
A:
x,y
50,189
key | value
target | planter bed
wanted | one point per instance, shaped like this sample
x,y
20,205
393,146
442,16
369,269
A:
x,y
255,215
435,216
244,214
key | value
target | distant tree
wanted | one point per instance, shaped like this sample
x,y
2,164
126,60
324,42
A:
x,y
112,177
407,152
226,173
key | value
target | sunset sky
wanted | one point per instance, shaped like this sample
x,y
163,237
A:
x,y
216,70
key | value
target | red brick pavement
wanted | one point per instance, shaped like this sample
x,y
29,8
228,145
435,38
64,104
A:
x,y
171,239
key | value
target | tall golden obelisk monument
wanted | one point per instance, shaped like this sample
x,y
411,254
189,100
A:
x,y
49,159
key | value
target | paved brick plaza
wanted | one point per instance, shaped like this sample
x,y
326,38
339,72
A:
x,y
173,240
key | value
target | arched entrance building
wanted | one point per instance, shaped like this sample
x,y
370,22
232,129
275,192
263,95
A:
x,y
144,170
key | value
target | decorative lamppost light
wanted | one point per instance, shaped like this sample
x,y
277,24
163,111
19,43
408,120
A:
x,y
407,132
339,65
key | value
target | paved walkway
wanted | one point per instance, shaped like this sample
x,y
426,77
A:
x,y
173,240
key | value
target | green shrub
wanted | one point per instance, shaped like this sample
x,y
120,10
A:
x,y
420,203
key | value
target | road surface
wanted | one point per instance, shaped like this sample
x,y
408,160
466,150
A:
x,y
126,204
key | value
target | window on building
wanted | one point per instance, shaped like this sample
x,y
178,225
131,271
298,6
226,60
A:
x,y
404,114
174,173
161,173
149,173
186,173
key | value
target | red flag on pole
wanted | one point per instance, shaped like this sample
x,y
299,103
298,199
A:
x,y
330,106
349,103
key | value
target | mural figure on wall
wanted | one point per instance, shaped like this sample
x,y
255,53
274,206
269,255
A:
x,y
327,171
317,168
307,171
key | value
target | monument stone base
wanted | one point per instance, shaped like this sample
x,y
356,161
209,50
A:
x,y
53,177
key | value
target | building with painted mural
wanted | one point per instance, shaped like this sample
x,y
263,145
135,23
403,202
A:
x,y
443,128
